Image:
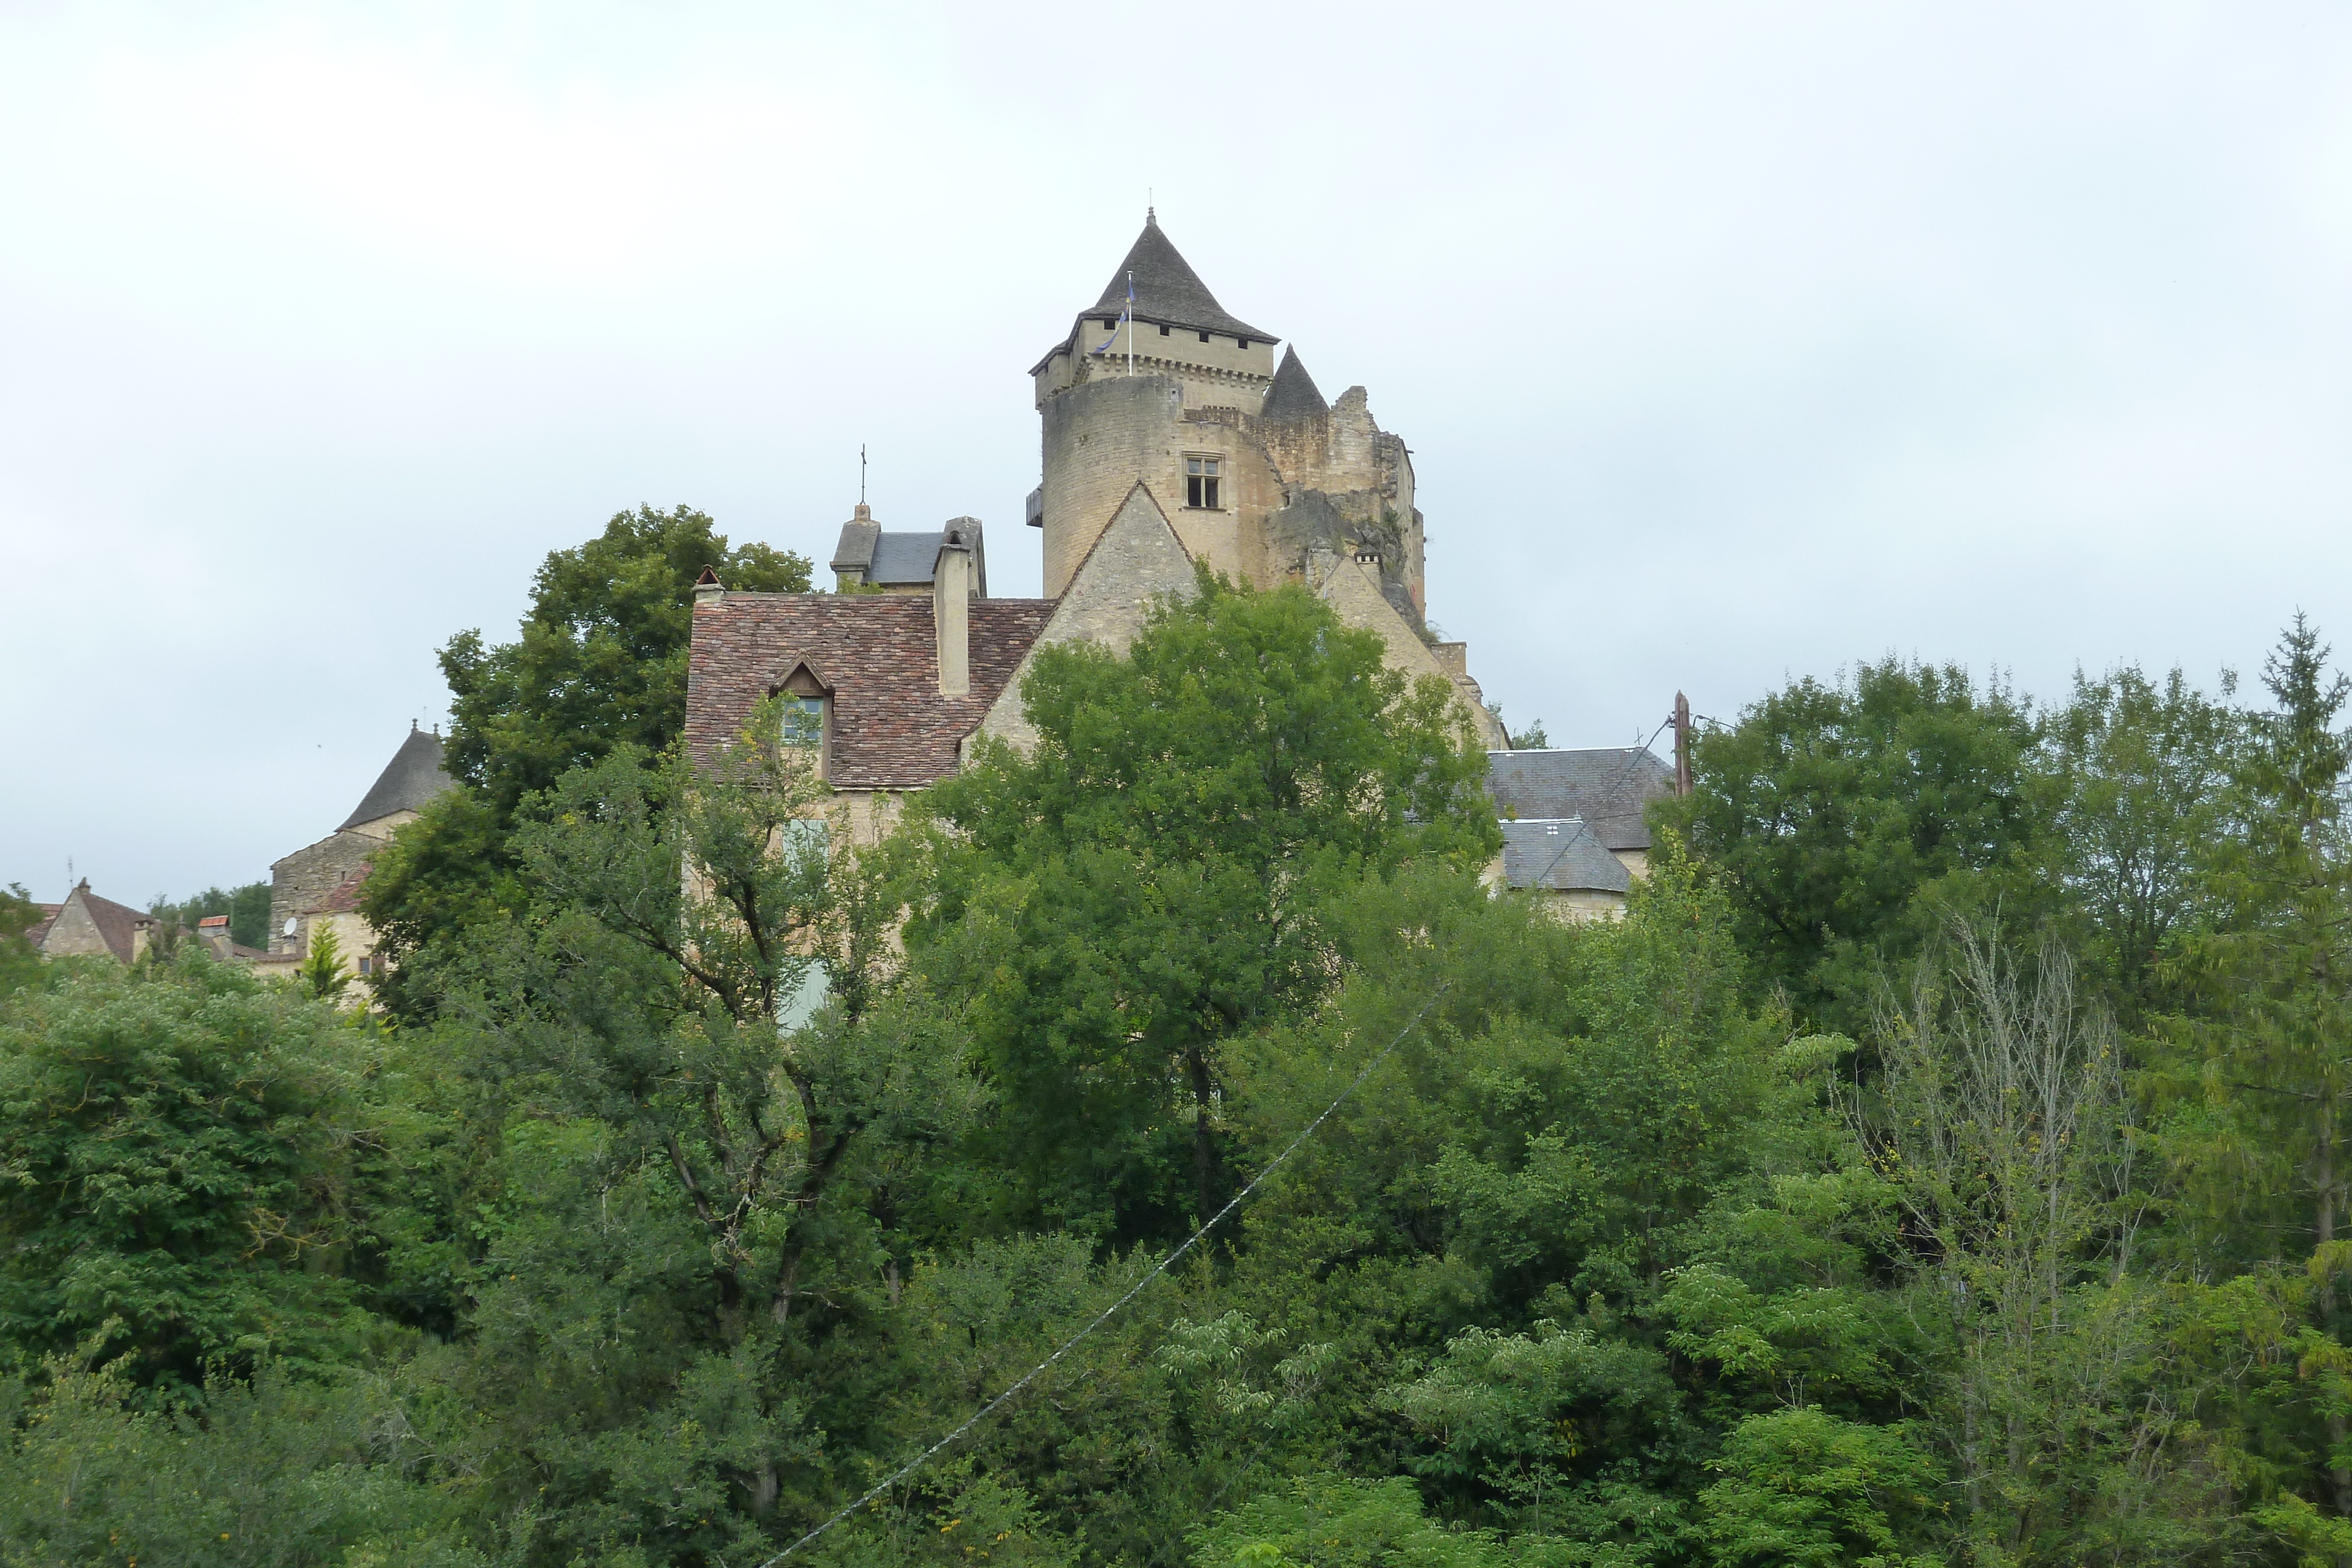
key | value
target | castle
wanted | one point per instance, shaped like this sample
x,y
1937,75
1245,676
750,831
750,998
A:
x,y
1171,437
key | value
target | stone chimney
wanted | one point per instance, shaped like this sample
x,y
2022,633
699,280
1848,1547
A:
x,y
951,612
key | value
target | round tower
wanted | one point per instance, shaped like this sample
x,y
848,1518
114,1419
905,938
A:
x,y
1150,384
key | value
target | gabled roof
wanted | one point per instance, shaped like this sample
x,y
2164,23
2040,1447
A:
x,y
1293,393
116,923
889,726
41,923
1606,787
413,777
1167,290
1562,855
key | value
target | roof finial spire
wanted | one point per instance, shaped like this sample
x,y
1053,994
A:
x,y
1151,212
861,474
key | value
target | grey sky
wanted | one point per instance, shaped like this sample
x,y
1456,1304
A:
x,y
1732,342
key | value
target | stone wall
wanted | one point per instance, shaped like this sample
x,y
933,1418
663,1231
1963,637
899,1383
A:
x,y
1138,560
302,880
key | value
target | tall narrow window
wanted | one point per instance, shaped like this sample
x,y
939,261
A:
x,y
800,721
1201,483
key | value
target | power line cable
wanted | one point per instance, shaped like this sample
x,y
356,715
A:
x,y
977,1417
1610,789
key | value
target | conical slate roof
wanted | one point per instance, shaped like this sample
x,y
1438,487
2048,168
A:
x,y
413,777
1294,394
1167,290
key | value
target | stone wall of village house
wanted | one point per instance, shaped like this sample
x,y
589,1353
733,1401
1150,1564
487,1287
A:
x,y
301,882
74,935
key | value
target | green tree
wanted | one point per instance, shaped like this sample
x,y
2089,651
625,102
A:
x,y
599,664
2142,773
19,960
1161,874
1828,808
246,907
2261,1124
179,1173
1802,1490
322,973
690,1189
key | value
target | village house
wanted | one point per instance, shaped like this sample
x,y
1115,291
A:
x,y
87,926
317,887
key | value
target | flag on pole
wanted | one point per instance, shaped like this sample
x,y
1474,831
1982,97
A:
x,y
1127,319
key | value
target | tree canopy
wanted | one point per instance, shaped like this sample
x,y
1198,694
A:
x,y
1940,1163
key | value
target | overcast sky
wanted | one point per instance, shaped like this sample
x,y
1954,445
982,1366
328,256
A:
x,y
1733,342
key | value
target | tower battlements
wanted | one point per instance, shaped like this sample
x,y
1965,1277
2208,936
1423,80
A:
x,y
1159,383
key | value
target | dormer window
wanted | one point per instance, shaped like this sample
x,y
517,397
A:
x,y
800,721
1201,483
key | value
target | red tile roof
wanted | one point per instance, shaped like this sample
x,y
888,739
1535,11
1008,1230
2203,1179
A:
x,y
344,897
209,920
891,729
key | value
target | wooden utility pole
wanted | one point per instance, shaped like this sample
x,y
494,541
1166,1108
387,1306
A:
x,y
1681,744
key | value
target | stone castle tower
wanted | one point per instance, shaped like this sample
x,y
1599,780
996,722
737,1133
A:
x,y
1257,472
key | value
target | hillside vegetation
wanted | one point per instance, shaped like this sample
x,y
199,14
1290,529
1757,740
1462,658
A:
x,y
1939,1165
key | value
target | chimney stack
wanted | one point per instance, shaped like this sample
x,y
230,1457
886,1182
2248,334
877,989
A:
x,y
951,612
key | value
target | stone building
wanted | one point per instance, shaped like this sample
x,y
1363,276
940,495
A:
x,y
86,925
1257,474
879,562
318,885
1171,437
1573,826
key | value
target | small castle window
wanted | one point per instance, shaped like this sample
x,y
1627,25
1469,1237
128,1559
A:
x,y
1201,483
1241,342
800,721
1163,331
1204,337
1110,323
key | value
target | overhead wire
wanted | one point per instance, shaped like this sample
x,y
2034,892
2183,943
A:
x,y
1631,761
977,1417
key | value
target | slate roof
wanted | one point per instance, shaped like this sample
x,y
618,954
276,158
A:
x,y
878,653
1167,290
1606,787
1293,393
1562,855
413,777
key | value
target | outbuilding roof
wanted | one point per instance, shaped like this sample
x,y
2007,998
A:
x,y
1605,787
413,777
889,729
1562,855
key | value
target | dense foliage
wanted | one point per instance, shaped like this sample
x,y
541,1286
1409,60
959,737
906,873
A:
x,y
600,665
1941,1164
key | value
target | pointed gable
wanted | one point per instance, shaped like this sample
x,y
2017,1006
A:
x,y
1168,292
1293,393
1136,560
